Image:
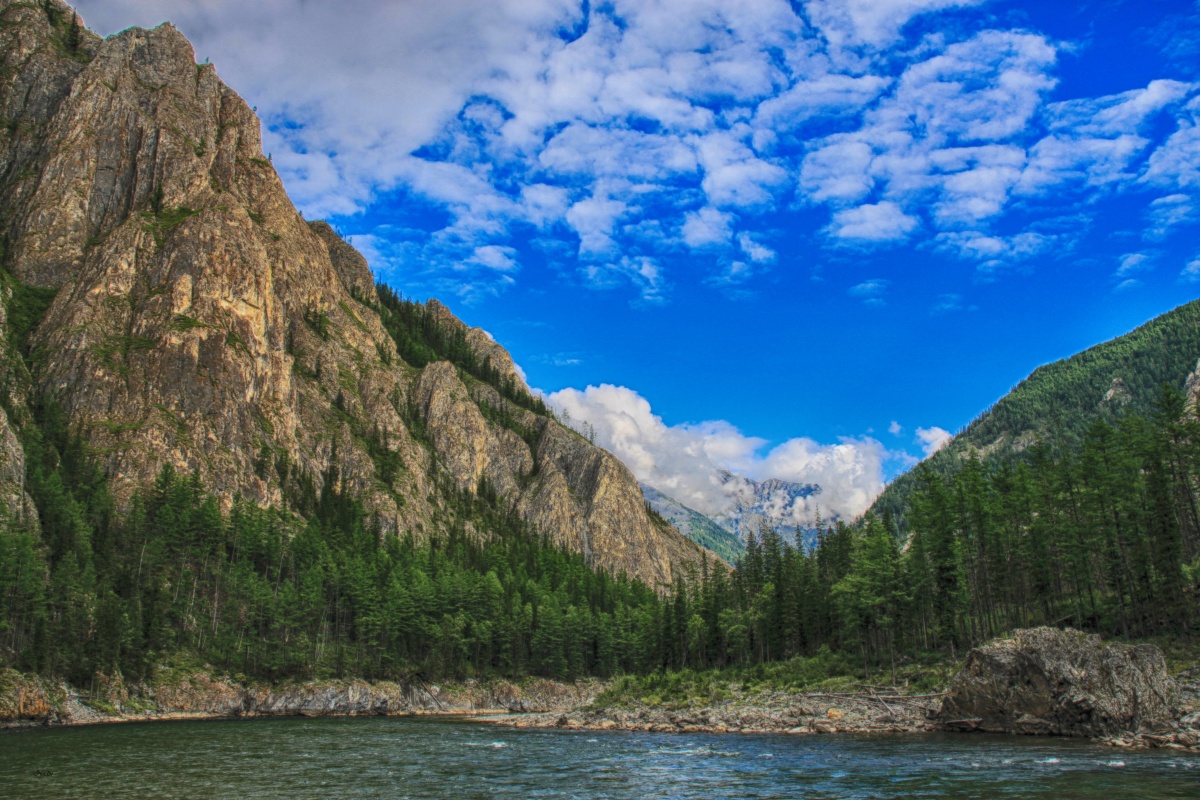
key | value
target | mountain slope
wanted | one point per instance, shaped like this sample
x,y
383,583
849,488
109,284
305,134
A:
x,y
1059,400
198,321
694,525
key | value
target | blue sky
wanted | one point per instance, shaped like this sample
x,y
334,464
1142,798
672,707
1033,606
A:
x,y
797,240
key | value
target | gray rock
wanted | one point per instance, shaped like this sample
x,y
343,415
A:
x,y
1060,682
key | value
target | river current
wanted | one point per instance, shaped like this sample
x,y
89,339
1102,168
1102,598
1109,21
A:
x,y
430,757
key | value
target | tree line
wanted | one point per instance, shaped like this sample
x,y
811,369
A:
x,y
1104,537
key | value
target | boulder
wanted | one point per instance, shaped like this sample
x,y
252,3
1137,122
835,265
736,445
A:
x,y
1061,683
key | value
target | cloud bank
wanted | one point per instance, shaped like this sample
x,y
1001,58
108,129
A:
x,y
685,461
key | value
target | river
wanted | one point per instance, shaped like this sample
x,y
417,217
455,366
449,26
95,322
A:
x,y
432,757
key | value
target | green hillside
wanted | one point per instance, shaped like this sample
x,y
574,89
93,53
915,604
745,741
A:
x,y
1058,401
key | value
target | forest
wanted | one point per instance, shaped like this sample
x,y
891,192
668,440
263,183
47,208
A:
x,y
1099,530
1105,537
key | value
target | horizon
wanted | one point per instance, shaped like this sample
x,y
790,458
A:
x,y
808,242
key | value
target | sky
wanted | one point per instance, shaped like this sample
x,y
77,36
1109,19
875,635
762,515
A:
x,y
806,240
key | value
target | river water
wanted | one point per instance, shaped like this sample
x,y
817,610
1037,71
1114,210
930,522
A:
x,y
430,757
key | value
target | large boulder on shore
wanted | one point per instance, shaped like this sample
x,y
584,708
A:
x,y
1062,683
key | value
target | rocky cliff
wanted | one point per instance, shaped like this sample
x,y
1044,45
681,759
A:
x,y
199,321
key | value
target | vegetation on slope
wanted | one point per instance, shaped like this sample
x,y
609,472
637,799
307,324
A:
x,y
1060,401
1106,539
422,338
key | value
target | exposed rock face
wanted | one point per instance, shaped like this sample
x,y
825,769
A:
x,y
1064,683
200,322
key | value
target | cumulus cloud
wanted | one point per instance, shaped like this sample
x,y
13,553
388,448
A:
x,y
878,222
932,439
708,226
685,461
755,251
895,428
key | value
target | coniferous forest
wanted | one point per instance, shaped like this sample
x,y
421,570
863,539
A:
x,y
1104,537
1100,532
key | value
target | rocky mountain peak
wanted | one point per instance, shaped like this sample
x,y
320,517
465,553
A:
x,y
201,322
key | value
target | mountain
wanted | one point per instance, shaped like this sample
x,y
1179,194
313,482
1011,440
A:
x,y
780,504
694,525
1058,401
165,297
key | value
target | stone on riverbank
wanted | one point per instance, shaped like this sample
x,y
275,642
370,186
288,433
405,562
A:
x,y
1060,682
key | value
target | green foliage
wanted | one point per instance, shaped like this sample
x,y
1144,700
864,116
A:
x,y
159,220
271,595
422,339
182,322
26,307
1059,402
318,321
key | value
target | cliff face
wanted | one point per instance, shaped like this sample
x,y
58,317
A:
x,y
200,322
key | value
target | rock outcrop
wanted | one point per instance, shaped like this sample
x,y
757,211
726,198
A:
x,y
200,322
1060,682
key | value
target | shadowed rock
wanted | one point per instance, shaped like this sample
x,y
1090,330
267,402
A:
x,y
1059,682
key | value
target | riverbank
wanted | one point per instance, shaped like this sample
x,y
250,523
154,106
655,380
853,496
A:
x,y
1036,681
28,701
765,712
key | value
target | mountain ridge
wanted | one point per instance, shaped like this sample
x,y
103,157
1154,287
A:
x,y
1057,401
198,321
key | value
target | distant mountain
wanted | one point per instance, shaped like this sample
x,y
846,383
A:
x,y
774,502
694,525
1060,400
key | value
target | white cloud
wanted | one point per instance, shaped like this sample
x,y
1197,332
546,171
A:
x,y
1191,272
755,251
1176,164
708,226
872,22
895,428
871,291
734,274
1167,213
990,253
593,220
1133,263
642,272
495,257
932,439
628,127
684,461
876,222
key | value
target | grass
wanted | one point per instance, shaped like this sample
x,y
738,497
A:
x,y
824,672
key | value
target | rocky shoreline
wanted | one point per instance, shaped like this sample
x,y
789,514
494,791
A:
x,y
1036,682
28,701
770,712
1040,681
